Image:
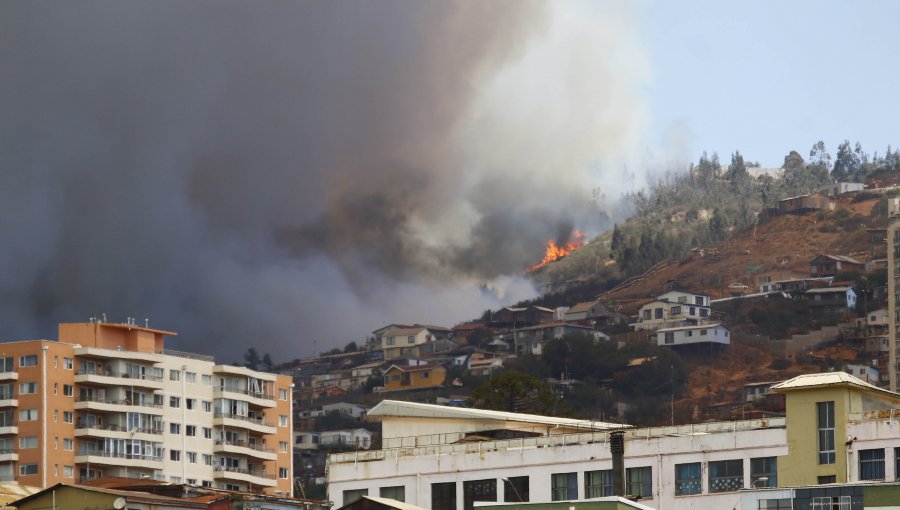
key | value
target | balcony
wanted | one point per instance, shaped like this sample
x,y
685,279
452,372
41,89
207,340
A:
x,y
110,378
9,376
244,475
117,432
9,455
9,429
256,398
9,402
244,422
96,352
117,406
244,448
101,457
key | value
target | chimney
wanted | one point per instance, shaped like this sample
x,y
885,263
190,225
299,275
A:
x,y
617,448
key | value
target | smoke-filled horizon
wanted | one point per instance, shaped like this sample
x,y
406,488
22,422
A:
x,y
293,175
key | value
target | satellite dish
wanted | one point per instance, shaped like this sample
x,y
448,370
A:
x,y
119,503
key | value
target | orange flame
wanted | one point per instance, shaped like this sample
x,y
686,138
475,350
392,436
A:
x,y
556,252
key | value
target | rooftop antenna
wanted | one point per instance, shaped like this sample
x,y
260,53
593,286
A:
x,y
146,323
104,317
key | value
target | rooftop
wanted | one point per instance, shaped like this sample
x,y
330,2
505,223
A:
x,y
807,381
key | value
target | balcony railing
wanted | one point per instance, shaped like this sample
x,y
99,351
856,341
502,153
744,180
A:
x,y
256,394
123,375
244,444
257,421
121,402
188,355
245,471
120,455
118,428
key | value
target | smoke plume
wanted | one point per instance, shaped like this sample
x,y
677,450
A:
x,y
292,175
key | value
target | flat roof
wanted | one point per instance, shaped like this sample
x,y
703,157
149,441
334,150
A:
x,y
418,410
684,328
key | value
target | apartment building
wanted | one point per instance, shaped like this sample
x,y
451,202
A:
x,y
837,430
109,400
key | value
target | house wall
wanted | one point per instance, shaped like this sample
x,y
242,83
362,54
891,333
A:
x,y
417,380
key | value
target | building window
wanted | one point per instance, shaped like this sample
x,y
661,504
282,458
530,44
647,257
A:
x,y
190,403
207,406
28,415
282,421
192,457
670,337
207,433
688,333
647,315
478,490
676,310
55,361
174,428
692,310
190,430
68,363
825,420
28,361
703,332
174,401
598,484
283,446
68,471
28,469
174,375
871,464
207,459
190,377
27,388
28,442
726,475
640,481
283,474
397,492
564,486
443,496
410,339
6,365
354,495
515,489
764,467
822,480
704,312
174,454
68,416
68,444
68,390
687,479
831,503
658,313
282,394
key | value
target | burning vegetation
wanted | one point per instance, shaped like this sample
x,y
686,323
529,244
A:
x,y
557,251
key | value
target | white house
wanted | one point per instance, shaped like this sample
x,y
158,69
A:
x,y
673,309
357,438
306,440
832,296
700,334
867,373
346,408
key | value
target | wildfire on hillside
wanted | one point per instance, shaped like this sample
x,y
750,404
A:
x,y
556,252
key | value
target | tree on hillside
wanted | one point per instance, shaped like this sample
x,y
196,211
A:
x,y
515,392
846,163
818,156
737,174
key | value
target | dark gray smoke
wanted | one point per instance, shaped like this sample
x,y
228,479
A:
x,y
284,175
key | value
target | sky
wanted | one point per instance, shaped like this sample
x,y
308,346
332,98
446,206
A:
x,y
294,175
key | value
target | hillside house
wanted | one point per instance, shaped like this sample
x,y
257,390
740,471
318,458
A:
x,y
519,317
830,265
767,281
405,377
689,335
400,342
346,408
304,440
593,313
673,309
356,438
866,373
805,204
484,366
532,339
832,297
758,390
839,188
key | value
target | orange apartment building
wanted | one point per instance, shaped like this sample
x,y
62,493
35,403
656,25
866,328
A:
x,y
109,400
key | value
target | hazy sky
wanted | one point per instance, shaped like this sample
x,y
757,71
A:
x,y
766,77
294,175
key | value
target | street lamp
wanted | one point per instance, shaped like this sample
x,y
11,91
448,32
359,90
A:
x,y
763,479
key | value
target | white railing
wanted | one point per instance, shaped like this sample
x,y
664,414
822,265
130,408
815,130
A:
x,y
444,444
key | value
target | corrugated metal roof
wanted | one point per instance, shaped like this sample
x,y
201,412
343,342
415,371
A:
x,y
418,410
828,290
807,381
10,492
